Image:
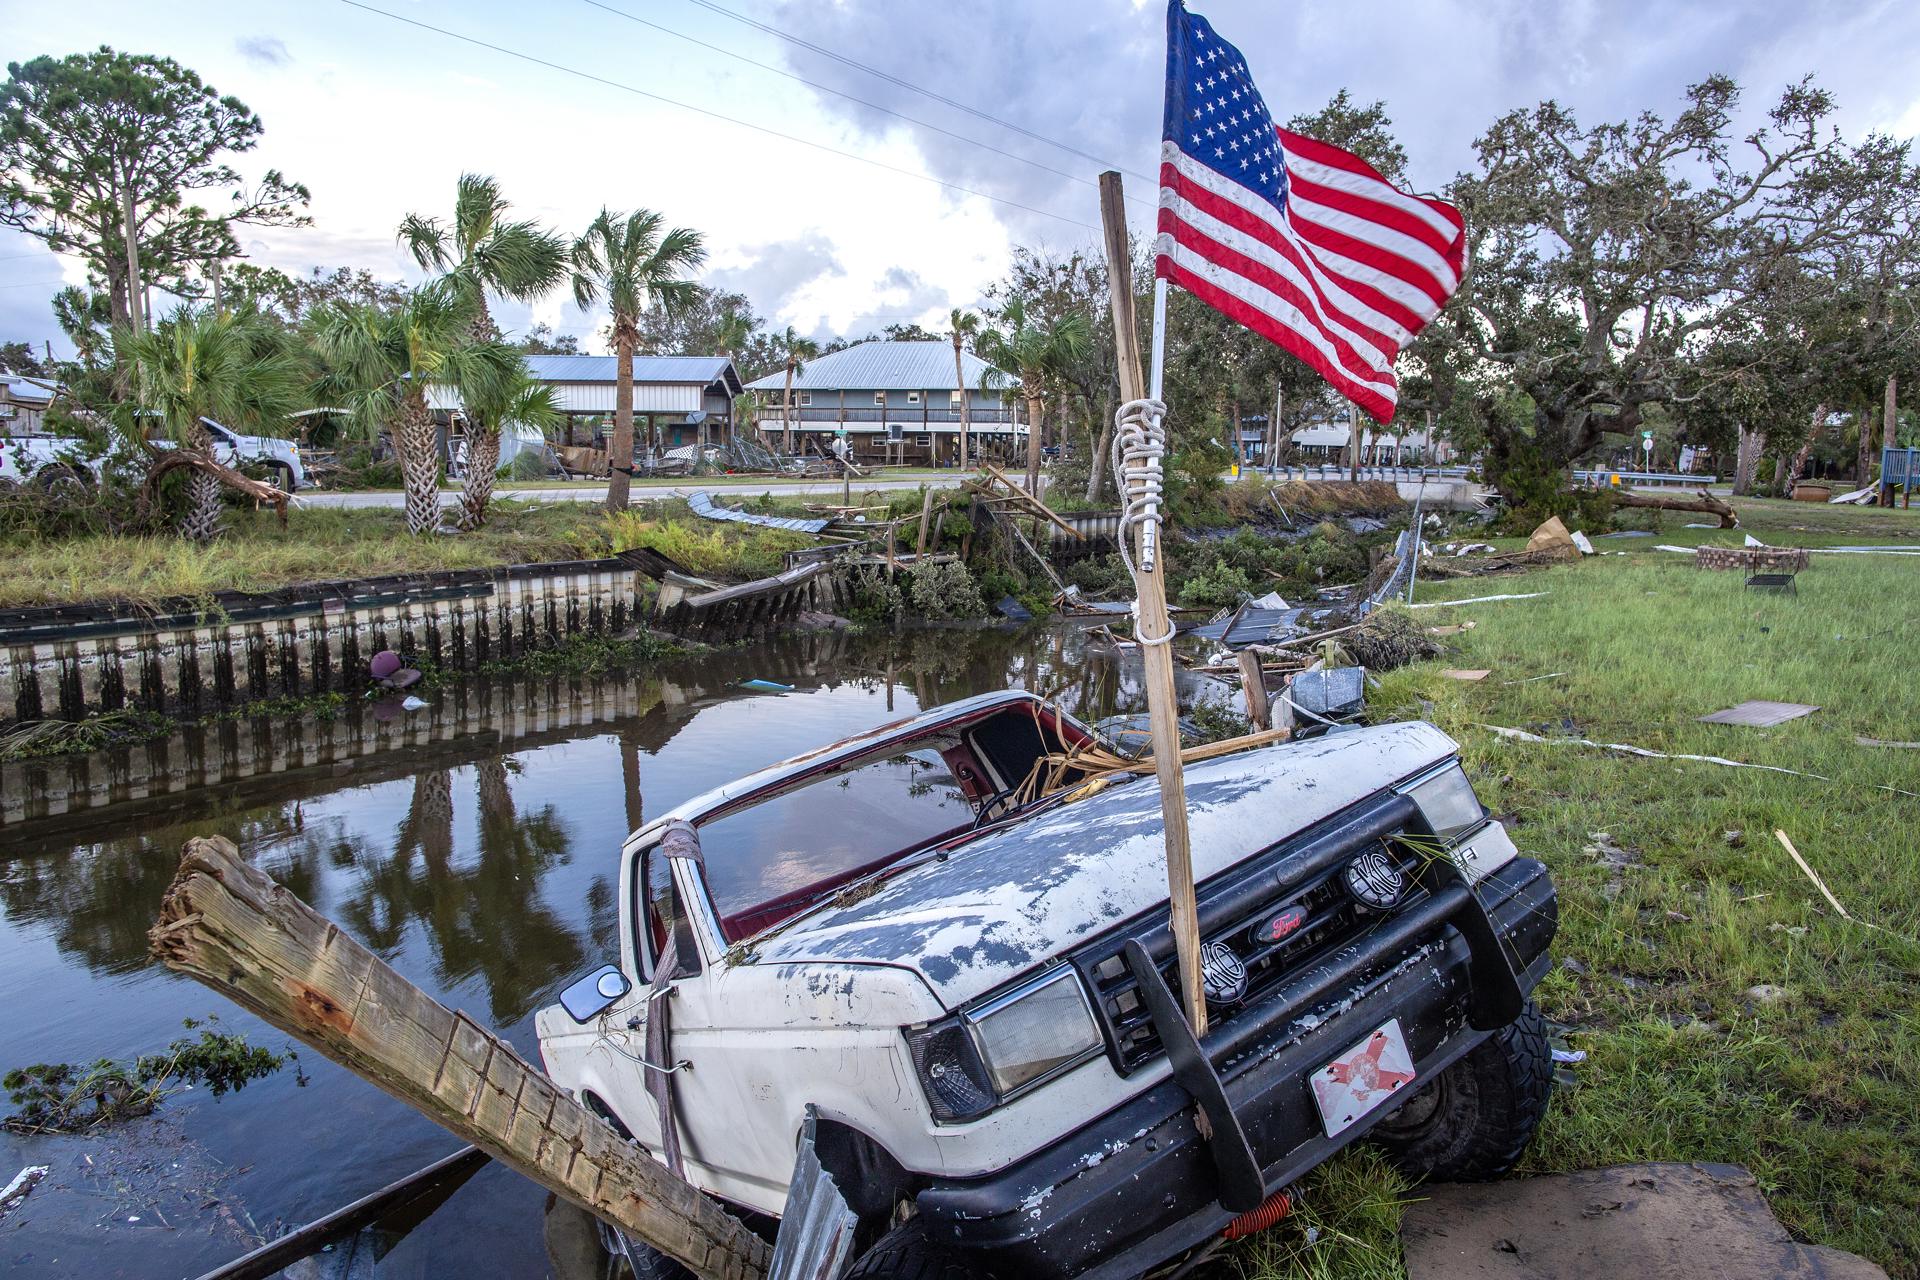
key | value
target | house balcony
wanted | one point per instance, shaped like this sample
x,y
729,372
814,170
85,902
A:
x,y
907,415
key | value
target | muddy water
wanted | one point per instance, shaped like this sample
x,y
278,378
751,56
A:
x,y
472,844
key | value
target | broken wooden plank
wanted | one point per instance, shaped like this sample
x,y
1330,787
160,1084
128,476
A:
x,y
1759,713
228,925
1253,684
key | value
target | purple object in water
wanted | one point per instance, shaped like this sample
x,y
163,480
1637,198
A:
x,y
384,664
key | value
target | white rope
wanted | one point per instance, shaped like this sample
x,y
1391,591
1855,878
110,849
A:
x,y
1139,442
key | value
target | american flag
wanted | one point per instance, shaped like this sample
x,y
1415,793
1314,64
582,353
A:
x,y
1303,243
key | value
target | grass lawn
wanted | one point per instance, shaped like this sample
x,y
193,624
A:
x,y
256,553
1815,1087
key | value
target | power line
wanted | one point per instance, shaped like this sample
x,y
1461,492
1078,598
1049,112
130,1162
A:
x,y
714,115
890,78
30,284
872,106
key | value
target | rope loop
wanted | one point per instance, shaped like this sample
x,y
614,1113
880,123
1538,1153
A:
x,y
1139,443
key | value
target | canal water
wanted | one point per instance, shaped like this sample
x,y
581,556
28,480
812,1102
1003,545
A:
x,y
471,843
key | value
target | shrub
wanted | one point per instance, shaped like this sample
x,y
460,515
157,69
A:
x,y
876,601
944,589
61,1097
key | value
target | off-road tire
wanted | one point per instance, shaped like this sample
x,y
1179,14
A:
x,y
647,1262
280,476
1475,1119
905,1253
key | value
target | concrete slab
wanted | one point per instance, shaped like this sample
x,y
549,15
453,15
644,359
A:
x,y
1646,1221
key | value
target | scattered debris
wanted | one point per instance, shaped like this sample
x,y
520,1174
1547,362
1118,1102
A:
x,y
1469,676
390,671
1521,735
1388,640
1734,838
1759,713
1768,993
1882,742
1791,930
411,703
703,505
1859,497
1329,694
1453,629
1446,604
1821,885
1654,1220
1551,675
1569,1055
1013,610
23,1182
766,686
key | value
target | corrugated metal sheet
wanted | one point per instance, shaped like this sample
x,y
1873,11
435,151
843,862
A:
x,y
881,366
703,505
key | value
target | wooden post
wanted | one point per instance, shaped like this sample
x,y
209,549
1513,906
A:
x,y
1890,437
1253,683
1163,711
232,928
926,512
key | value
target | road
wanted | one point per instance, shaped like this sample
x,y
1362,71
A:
x,y
641,492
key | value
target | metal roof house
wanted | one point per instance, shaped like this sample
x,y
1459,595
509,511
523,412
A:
x,y
891,395
678,399
24,402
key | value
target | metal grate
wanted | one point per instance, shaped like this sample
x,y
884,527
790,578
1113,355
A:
x,y
1230,912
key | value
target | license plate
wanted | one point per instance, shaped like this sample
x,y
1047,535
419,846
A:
x,y
1362,1078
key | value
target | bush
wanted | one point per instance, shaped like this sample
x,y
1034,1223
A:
x,y
61,1097
876,601
945,589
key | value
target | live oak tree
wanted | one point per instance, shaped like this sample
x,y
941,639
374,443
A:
x,y
1036,351
105,155
628,261
1603,257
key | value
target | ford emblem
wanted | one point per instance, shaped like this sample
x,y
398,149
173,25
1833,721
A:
x,y
1222,973
1374,880
1281,925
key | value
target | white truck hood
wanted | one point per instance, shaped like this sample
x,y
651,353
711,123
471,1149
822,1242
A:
x,y
1010,900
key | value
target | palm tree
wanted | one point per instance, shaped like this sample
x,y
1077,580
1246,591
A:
x,y
233,367
799,350
625,259
480,252
494,402
731,335
381,363
1035,353
965,325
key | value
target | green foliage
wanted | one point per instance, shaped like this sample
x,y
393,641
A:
x,y
945,590
584,655
67,1098
1217,573
709,548
76,131
875,600
33,739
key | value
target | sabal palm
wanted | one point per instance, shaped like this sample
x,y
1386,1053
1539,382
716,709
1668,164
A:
x,y
1035,352
799,350
481,252
381,364
233,367
625,259
965,325
501,397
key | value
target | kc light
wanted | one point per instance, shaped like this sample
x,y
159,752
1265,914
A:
x,y
973,1061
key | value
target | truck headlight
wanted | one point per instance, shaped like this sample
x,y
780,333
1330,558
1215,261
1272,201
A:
x,y
974,1061
1447,802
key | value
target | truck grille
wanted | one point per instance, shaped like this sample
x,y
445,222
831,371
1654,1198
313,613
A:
x,y
1305,872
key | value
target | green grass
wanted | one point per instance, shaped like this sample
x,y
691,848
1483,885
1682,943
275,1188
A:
x,y
1817,1093
325,543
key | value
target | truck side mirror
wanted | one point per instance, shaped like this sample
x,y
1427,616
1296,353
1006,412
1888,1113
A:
x,y
591,996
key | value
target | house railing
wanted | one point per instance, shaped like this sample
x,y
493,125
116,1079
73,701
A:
x,y
873,413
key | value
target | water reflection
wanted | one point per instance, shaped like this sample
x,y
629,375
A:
x,y
473,845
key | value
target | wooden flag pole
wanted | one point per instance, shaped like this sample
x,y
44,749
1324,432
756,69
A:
x,y
1152,621
228,925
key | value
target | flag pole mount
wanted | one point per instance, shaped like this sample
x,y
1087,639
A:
x,y
1139,441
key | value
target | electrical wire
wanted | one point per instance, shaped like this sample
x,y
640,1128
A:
x,y
871,106
890,78
714,115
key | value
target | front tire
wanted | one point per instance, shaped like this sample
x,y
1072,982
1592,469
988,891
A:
x,y
1474,1120
905,1253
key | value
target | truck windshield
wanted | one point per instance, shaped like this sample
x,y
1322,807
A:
x,y
768,861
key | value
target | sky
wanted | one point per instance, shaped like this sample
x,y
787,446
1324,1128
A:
x,y
819,201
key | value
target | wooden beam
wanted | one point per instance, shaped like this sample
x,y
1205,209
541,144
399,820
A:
x,y
926,511
1163,710
229,926
1253,683
1027,500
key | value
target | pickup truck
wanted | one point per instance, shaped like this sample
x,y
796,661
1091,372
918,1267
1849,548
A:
x,y
49,461
948,946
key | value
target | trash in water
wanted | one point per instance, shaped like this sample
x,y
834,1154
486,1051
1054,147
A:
x,y
23,1182
390,671
766,686
1013,610
411,703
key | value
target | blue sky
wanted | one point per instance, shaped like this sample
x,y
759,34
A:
x,y
379,118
